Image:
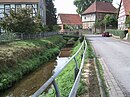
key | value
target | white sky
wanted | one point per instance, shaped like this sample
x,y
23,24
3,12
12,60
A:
x,y
67,6
116,2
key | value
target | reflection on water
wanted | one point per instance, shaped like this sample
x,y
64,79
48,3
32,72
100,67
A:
x,y
32,82
62,58
29,84
60,62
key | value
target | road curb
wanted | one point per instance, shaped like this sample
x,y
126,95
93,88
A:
x,y
102,91
123,41
112,84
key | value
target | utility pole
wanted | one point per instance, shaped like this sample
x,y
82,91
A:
x,y
42,9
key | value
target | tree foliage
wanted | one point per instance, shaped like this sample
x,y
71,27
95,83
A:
x,y
98,23
110,20
82,5
21,22
127,22
51,19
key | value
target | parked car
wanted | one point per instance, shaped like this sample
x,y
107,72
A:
x,y
106,34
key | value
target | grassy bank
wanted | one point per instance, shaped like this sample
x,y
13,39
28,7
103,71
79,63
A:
x,y
101,73
91,56
65,80
21,57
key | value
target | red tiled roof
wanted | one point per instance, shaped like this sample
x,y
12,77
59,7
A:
x,y
18,1
126,4
70,19
104,7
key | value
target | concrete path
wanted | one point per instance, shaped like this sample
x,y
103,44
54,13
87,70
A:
x,y
115,57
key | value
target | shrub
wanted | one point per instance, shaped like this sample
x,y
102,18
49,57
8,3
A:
x,y
119,33
56,28
30,54
7,37
128,37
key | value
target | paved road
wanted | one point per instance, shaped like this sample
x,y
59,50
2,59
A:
x,y
116,55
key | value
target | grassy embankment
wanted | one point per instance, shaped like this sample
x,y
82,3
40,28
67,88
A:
x,y
21,57
65,80
94,82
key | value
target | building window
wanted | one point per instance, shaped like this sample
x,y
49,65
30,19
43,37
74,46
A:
x,y
7,8
1,11
17,7
33,7
13,7
29,6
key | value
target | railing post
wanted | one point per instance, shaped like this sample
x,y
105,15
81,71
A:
x,y
76,69
84,45
56,88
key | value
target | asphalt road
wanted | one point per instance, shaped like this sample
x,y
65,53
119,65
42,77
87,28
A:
x,y
116,55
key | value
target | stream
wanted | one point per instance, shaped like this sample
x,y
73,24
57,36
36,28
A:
x,y
33,81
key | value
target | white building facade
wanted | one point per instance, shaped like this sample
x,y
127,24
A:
x,y
37,7
6,7
59,22
97,12
123,13
122,18
88,20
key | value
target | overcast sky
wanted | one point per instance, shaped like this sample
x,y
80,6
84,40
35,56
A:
x,y
116,3
67,6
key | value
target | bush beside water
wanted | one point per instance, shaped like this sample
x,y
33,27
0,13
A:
x,y
21,57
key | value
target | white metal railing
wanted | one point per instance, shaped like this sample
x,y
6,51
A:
x,y
77,74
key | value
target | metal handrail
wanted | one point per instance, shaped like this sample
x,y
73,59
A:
x,y
76,83
52,78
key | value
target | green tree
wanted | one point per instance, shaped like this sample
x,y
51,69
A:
x,y
110,20
98,23
51,19
127,22
20,22
82,5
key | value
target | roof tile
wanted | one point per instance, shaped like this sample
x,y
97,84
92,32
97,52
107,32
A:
x,y
70,19
105,7
126,4
18,1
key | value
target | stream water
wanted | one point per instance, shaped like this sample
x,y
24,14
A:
x,y
32,82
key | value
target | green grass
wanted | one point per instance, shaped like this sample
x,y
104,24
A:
x,y
65,80
91,55
101,73
21,57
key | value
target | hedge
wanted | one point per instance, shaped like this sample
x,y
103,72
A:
x,y
119,33
128,37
